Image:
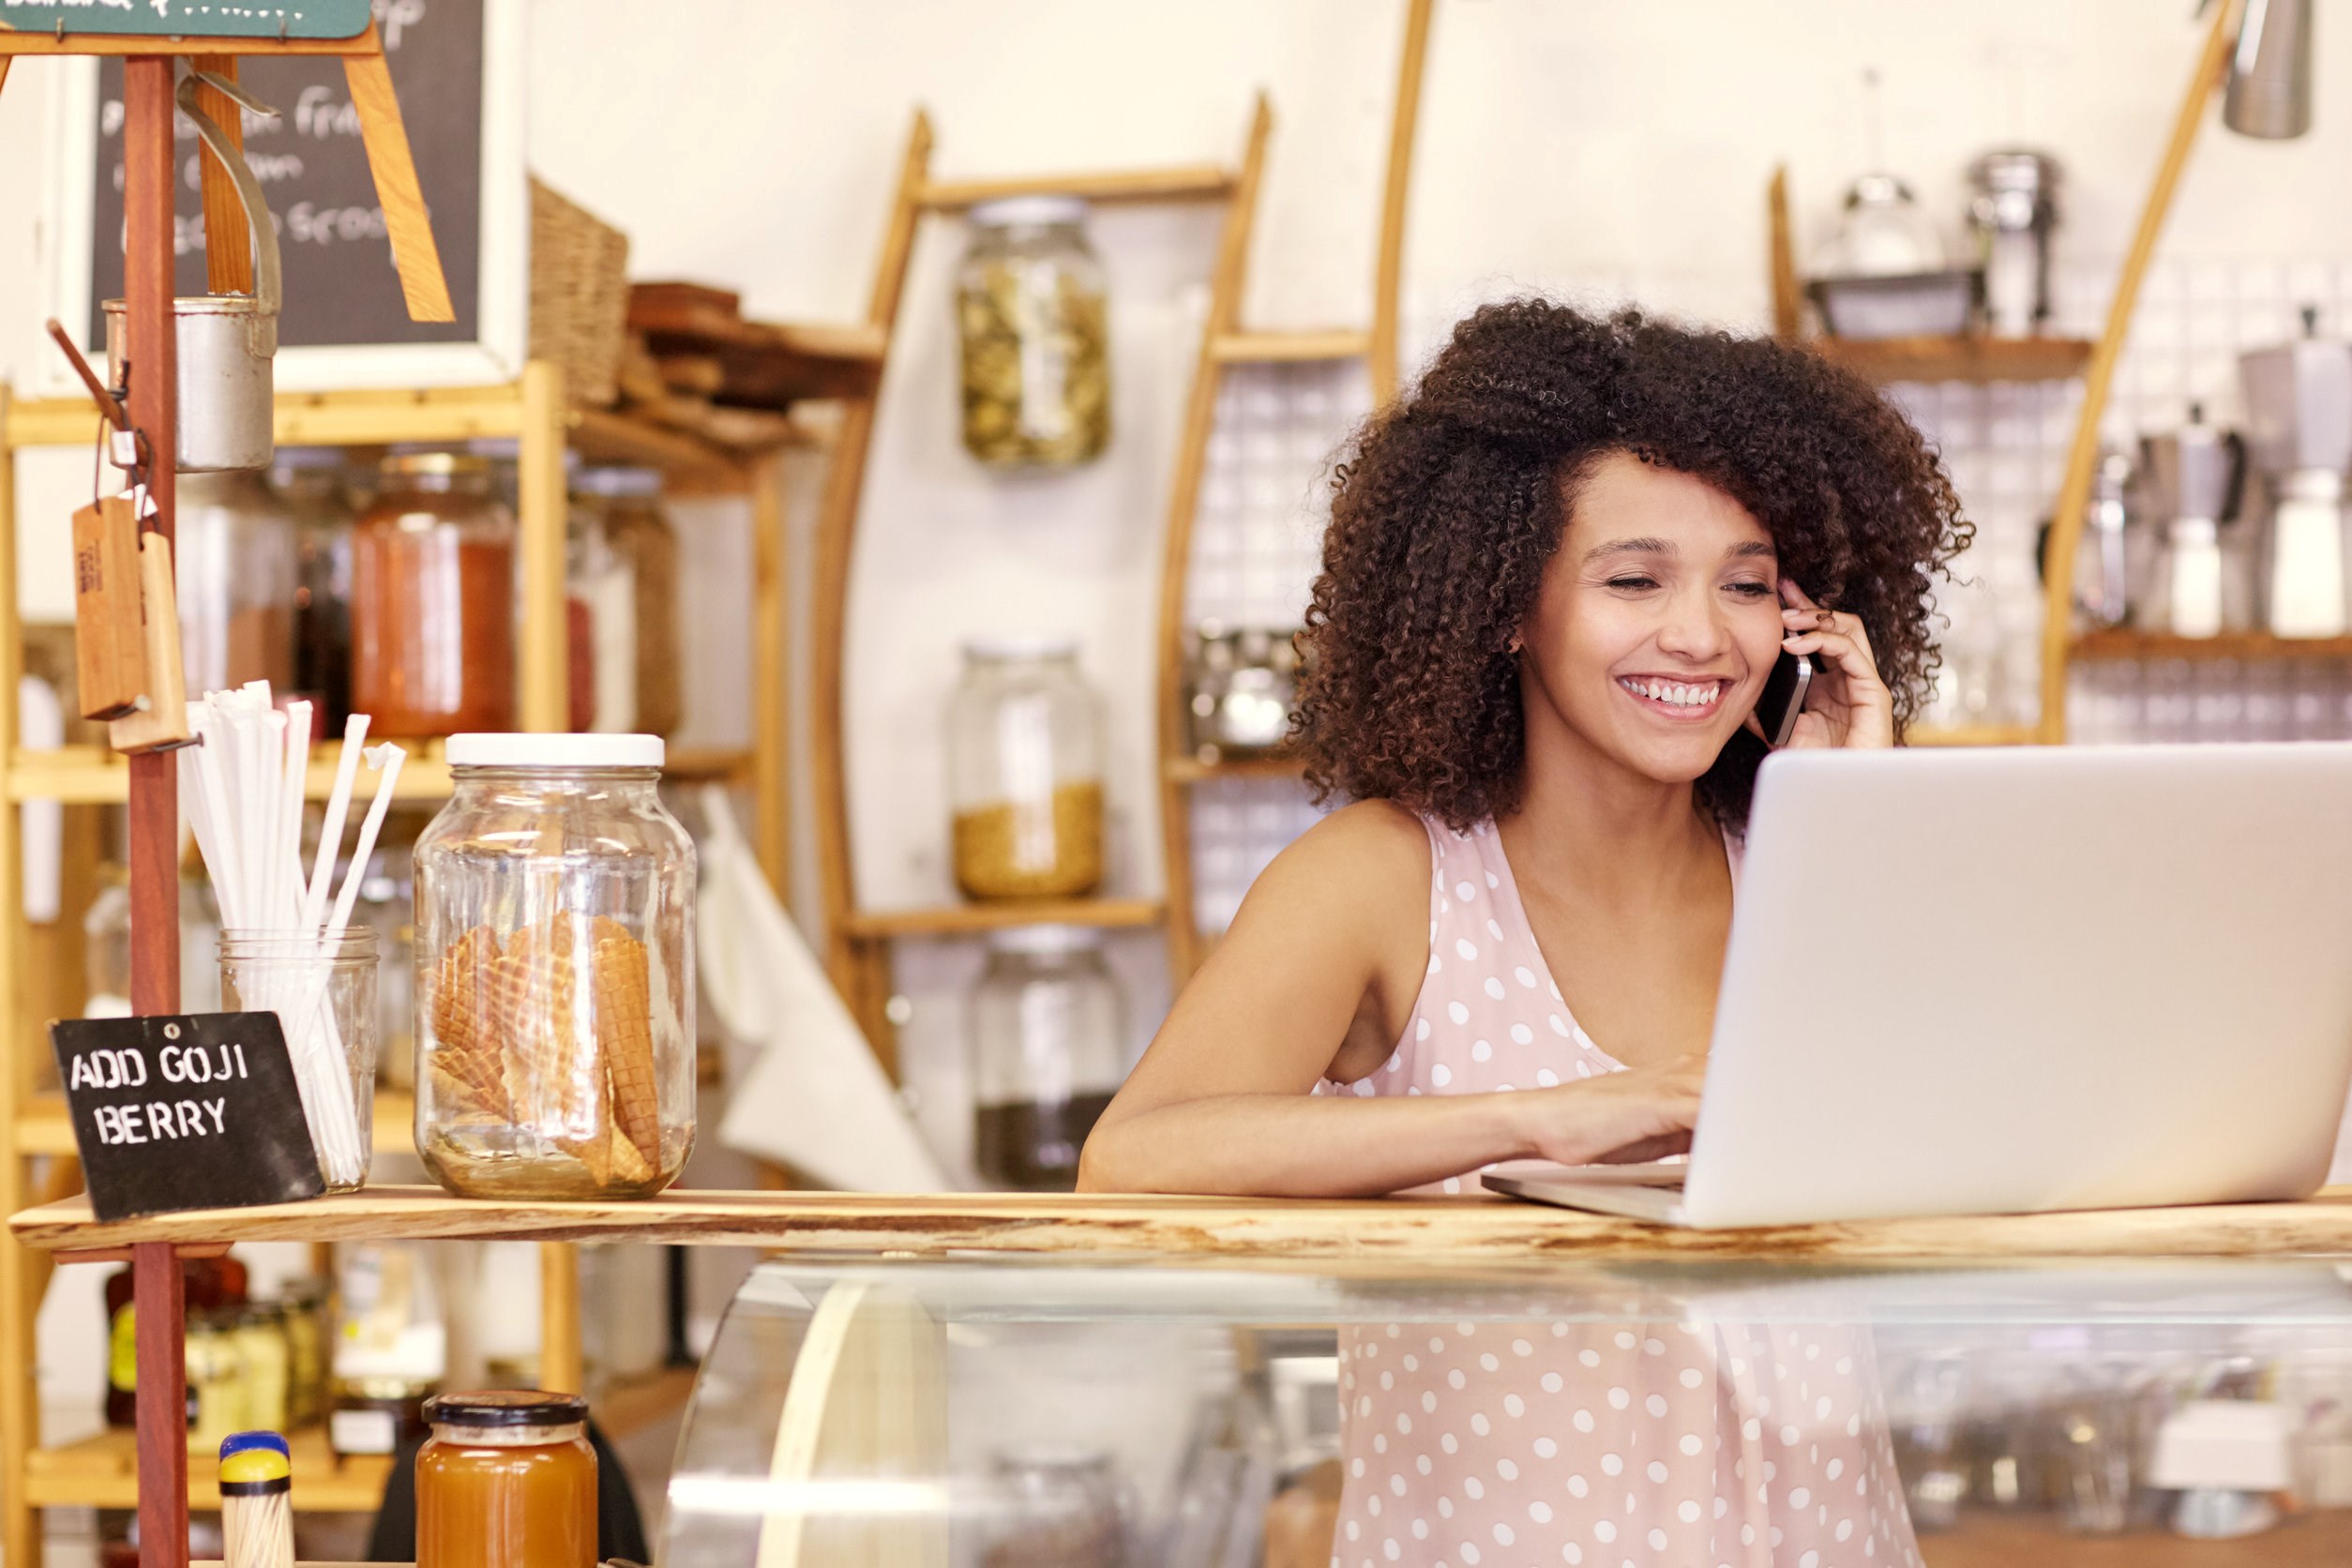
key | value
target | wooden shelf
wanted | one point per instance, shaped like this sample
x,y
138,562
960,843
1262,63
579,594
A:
x,y
2031,1540
1194,182
1976,359
1280,348
102,1471
93,775
964,920
1970,734
1192,770
1443,1235
634,1404
42,1127
708,764
2254,646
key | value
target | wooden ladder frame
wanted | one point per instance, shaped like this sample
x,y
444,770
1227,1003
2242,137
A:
x,y
1224,345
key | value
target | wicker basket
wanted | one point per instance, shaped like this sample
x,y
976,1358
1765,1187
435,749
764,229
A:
x,y
579,296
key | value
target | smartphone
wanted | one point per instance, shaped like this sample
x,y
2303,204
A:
x,y
1783,697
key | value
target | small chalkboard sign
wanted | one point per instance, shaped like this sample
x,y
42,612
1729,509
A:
x,y
190,18
187,1111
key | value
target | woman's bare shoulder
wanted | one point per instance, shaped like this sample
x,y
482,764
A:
x,y
1369,857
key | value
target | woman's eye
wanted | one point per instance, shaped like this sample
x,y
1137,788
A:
x,y
1634,581
1750,590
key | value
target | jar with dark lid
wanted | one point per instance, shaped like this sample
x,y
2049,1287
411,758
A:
x,y
508,1480
433,599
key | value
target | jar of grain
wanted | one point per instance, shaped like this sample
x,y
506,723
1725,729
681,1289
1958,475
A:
x,y
1031,306
1025,772
627,506
235,577
433,599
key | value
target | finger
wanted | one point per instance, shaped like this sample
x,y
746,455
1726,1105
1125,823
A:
x,y
1643,1151
1852,659
1794,596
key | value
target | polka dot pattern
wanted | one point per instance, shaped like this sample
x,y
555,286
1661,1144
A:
x,y
1645,1445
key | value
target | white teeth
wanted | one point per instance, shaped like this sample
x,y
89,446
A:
x,y
1674,692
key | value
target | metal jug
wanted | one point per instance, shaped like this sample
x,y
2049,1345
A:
x,y
226,341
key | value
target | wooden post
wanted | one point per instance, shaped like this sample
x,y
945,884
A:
x,y
162,1400
20,1410
771,665
154,828
1388,271
1192,456
1787,293
2082,457
380,128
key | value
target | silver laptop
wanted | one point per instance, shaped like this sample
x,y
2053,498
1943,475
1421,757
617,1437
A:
x,y
2019,979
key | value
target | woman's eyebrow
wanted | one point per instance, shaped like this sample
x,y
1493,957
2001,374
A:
x,y
1754,547
1633,547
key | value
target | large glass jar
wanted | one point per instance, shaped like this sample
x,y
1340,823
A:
x,y
508,1480
433,599
1048,1039
1025,772
628,503
235,577
309,484
1031,306
554,971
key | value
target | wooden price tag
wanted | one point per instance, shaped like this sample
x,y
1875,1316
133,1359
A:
x,y
109,646
184,1111
161,720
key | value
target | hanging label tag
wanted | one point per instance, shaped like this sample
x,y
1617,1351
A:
x,y
161,719
108,644
187,1111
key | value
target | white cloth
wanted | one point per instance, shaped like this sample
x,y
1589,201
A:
x,y
815,1099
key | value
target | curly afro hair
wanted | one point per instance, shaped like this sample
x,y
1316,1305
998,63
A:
x,y
1449,503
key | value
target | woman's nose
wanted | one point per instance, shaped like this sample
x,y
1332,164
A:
x,y
1694,628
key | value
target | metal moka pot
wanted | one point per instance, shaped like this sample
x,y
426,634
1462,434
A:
x,y
226,341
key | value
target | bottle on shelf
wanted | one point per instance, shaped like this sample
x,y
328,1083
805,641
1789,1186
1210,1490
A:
x,y
433,599
1025,771
1048,1036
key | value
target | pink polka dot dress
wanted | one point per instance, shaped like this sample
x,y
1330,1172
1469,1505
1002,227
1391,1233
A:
x,y
1693,1444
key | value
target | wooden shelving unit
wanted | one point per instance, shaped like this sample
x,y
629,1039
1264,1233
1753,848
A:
x,y
102,1471
858,940
1985,1540
2251,647
32,1126
1971,735
1972,359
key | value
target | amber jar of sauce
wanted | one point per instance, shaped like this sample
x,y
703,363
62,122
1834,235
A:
x,y
433,615
508,1480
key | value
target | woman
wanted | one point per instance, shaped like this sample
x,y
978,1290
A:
x,y
1555,578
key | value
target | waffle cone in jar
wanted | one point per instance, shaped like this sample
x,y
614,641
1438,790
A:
x,y
621,992
555,1079
467,1065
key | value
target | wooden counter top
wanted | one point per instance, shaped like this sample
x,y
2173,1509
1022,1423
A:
x,y
1412,1234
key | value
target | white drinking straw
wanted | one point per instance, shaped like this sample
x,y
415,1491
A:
x,y
331,830
389,758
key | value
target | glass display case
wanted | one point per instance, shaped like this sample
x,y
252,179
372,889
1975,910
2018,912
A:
x,y
993,1413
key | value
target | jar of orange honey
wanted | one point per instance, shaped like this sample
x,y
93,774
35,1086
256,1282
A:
x,y
508,1480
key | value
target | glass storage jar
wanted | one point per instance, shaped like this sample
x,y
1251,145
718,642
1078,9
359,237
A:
x,y
554,971
309,484
1048,1033
628,502
433,599
1031,306
508,1480
1025,772
602,589
235,577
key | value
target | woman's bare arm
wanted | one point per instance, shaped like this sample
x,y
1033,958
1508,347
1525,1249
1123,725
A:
x,y
1322,963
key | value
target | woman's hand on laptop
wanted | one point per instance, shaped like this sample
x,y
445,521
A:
x,y
1642,1114
1848,704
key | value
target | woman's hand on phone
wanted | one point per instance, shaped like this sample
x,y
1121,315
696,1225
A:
x,y
1848,704
1642,1114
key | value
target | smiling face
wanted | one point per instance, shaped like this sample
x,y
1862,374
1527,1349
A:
x,y
1657,622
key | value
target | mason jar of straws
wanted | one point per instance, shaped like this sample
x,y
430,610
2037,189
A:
x,y
554,971
327,986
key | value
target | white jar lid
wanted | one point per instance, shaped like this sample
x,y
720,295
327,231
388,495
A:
x,y
1046,942
483,749
1028,211
1008,646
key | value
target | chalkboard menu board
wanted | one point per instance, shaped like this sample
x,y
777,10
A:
x,y
455,67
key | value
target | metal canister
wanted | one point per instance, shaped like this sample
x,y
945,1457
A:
x,y
2012,210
